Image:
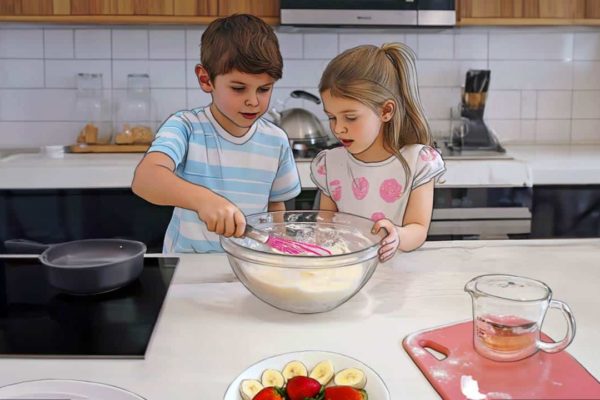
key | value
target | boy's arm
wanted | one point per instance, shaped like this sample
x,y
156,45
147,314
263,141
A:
x,y
276,206
155,181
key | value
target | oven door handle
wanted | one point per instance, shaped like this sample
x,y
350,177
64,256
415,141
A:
x,y
480,213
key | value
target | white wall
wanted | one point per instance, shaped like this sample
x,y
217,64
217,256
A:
x,y
545,85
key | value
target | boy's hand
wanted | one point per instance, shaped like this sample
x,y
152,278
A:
x,y
390,243
222,217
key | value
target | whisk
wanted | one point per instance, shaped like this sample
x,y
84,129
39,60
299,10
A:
x,y
284,245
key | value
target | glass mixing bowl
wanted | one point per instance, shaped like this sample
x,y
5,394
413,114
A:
x,y
305,283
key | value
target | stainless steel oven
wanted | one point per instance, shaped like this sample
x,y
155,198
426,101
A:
x,y
481,213
368,12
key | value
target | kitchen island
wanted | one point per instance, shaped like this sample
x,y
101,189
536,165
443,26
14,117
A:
x,y
211,328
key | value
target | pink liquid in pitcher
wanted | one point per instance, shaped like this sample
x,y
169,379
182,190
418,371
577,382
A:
x,y
508,337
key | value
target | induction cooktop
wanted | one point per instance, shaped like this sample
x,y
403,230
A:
x,y
37,320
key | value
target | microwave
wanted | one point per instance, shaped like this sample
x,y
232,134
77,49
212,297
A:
x,y
368,12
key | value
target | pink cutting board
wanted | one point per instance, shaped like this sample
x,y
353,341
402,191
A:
x,y
541,376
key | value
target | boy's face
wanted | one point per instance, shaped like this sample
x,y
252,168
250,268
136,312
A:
x,y
356,126
238,99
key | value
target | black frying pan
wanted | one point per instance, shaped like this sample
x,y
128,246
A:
x,y
88,266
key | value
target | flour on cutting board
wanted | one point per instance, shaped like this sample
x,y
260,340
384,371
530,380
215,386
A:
x,y
470,389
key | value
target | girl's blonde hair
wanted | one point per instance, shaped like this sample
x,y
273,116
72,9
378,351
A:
x,y
372,75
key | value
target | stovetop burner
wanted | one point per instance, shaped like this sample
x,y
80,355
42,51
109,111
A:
x,y
36,320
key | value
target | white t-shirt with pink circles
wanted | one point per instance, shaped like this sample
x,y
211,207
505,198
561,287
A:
x,y
374,190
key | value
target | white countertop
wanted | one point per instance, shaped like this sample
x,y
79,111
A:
x,y
211,328
538,165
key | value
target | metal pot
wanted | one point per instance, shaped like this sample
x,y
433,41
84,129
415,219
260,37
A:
x,y
87,266
301,125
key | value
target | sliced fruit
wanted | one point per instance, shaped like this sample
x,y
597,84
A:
x,y
269,393
353,377
323,372
344,393
249,388
294,368
272,377
302,387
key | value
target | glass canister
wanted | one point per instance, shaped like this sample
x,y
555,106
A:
x,y
92,109
134,112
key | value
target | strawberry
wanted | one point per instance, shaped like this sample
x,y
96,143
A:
x,y
302,387
268,393
344,393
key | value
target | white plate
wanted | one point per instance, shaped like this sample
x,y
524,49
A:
x,y
375,387
65,389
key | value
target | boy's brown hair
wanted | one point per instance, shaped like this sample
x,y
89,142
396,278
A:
x,y
242,42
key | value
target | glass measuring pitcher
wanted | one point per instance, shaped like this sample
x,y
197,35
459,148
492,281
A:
x,y
508,312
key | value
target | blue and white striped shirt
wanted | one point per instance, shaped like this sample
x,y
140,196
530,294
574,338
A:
x,y
250,171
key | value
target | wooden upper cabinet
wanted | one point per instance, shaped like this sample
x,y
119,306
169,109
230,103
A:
x,y
260,8
110,11
527,12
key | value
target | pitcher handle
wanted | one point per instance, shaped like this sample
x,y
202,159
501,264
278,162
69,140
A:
x,y
560,345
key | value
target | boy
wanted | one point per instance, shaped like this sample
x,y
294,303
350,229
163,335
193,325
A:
x,y
218,163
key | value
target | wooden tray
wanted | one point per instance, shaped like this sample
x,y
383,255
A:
x,y
108,148
541,376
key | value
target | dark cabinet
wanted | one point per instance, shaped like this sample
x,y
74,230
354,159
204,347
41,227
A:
x,y
58,215
567,211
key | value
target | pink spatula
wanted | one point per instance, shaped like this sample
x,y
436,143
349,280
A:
x,y
284,245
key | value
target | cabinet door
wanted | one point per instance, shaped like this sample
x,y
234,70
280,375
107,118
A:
x,y
592,9
525,12
189,8
260,8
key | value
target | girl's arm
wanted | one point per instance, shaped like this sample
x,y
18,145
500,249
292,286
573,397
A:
x,y
326,204
417,217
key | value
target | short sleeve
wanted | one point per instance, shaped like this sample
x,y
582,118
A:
x,y
318,172
286,185
172,138
429,165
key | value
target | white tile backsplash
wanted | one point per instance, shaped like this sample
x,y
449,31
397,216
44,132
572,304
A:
x,y
21,73
471,46
320,45
349,40
290,45
554,104
192,44
130,43
503,104
587,46
553,131
93,43
540,46
63,73
586,104
545,82
59,43
585,130
167,44
586,75
530,75
21,43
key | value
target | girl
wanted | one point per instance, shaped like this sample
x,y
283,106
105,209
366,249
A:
x,y
386,169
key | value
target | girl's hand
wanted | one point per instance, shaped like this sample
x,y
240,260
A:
x,y
390,243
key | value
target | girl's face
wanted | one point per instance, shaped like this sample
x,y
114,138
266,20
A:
x,y
357,126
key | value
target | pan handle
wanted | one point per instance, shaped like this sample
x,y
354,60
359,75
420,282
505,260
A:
x,y
24,246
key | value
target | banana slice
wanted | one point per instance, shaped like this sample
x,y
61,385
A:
x,y
294,368
322,372
351,377
249,388
272,377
